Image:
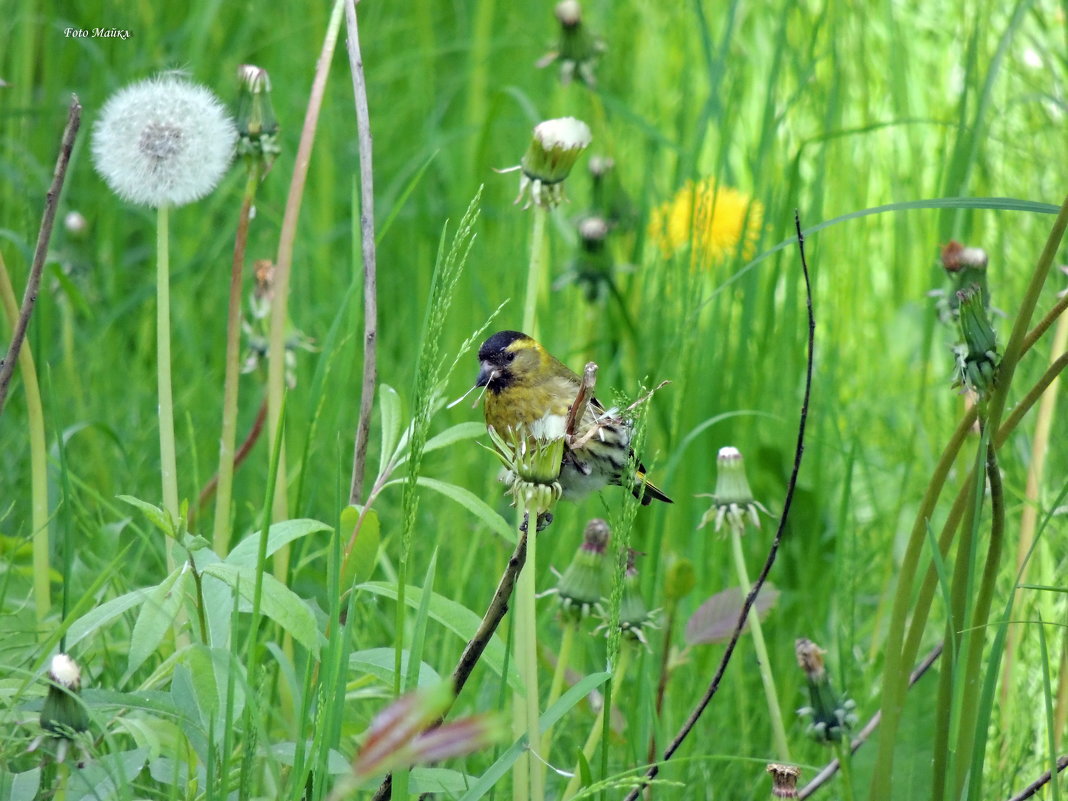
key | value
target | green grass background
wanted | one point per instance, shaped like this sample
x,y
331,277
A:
x,y
828,108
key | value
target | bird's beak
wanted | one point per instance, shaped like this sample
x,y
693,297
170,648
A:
x,y
486,374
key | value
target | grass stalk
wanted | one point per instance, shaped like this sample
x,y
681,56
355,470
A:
x,y
228,432
42,602
778,730
536,270
276,347
1029,518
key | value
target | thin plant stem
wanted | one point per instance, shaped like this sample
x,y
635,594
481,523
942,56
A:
x,y
594,737
21,321
367,236
276,348
1020,340
984,598
167,451
536,270
845,757
42,602
563,661
1029,518
228,433
529,781
750,599
778,730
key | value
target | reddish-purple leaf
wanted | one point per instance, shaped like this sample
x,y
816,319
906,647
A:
x,y
715,619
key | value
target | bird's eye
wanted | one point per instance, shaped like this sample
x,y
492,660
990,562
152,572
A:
x,y
510,357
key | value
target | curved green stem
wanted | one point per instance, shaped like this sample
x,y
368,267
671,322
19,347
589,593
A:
x,y
228,432
42,601
778,730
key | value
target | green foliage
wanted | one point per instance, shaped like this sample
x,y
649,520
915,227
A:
x,y
892,130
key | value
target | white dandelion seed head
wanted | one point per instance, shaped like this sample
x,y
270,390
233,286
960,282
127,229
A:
x,y
65,671
163,141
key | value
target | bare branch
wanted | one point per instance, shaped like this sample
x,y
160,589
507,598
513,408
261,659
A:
x,y
33,284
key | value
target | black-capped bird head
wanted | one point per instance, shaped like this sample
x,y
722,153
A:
x,y
504,357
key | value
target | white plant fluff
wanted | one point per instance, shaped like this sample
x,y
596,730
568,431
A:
x,y
163,141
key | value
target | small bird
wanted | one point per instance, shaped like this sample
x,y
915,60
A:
x,y
526,387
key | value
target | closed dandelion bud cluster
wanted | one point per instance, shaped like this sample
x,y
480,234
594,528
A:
x,y
64,713
581,587
784,780
257,126
977,356
554,149
163,141
577,50
733,501
832,715
532,465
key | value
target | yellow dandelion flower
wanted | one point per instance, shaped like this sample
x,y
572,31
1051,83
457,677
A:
x,y
711,219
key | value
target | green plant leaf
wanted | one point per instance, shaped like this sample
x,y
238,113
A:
x,y
389,411
457,618
364,554
245,552
548,719
379,662
156,516
467,499
450,436
102,615
158,611
279,603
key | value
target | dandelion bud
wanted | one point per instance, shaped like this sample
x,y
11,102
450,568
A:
x,y
832,715
977,356
63,713
554,149
581,586
256,123
634,613
577,50
532,465
163,141
965,266
734,501
784,780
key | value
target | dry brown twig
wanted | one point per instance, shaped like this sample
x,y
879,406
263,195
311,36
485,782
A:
x,y
33,283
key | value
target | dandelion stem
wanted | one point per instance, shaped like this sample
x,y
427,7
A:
x,y
168,459
38,456
778,731
845,757
228,433
536,271
529,780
